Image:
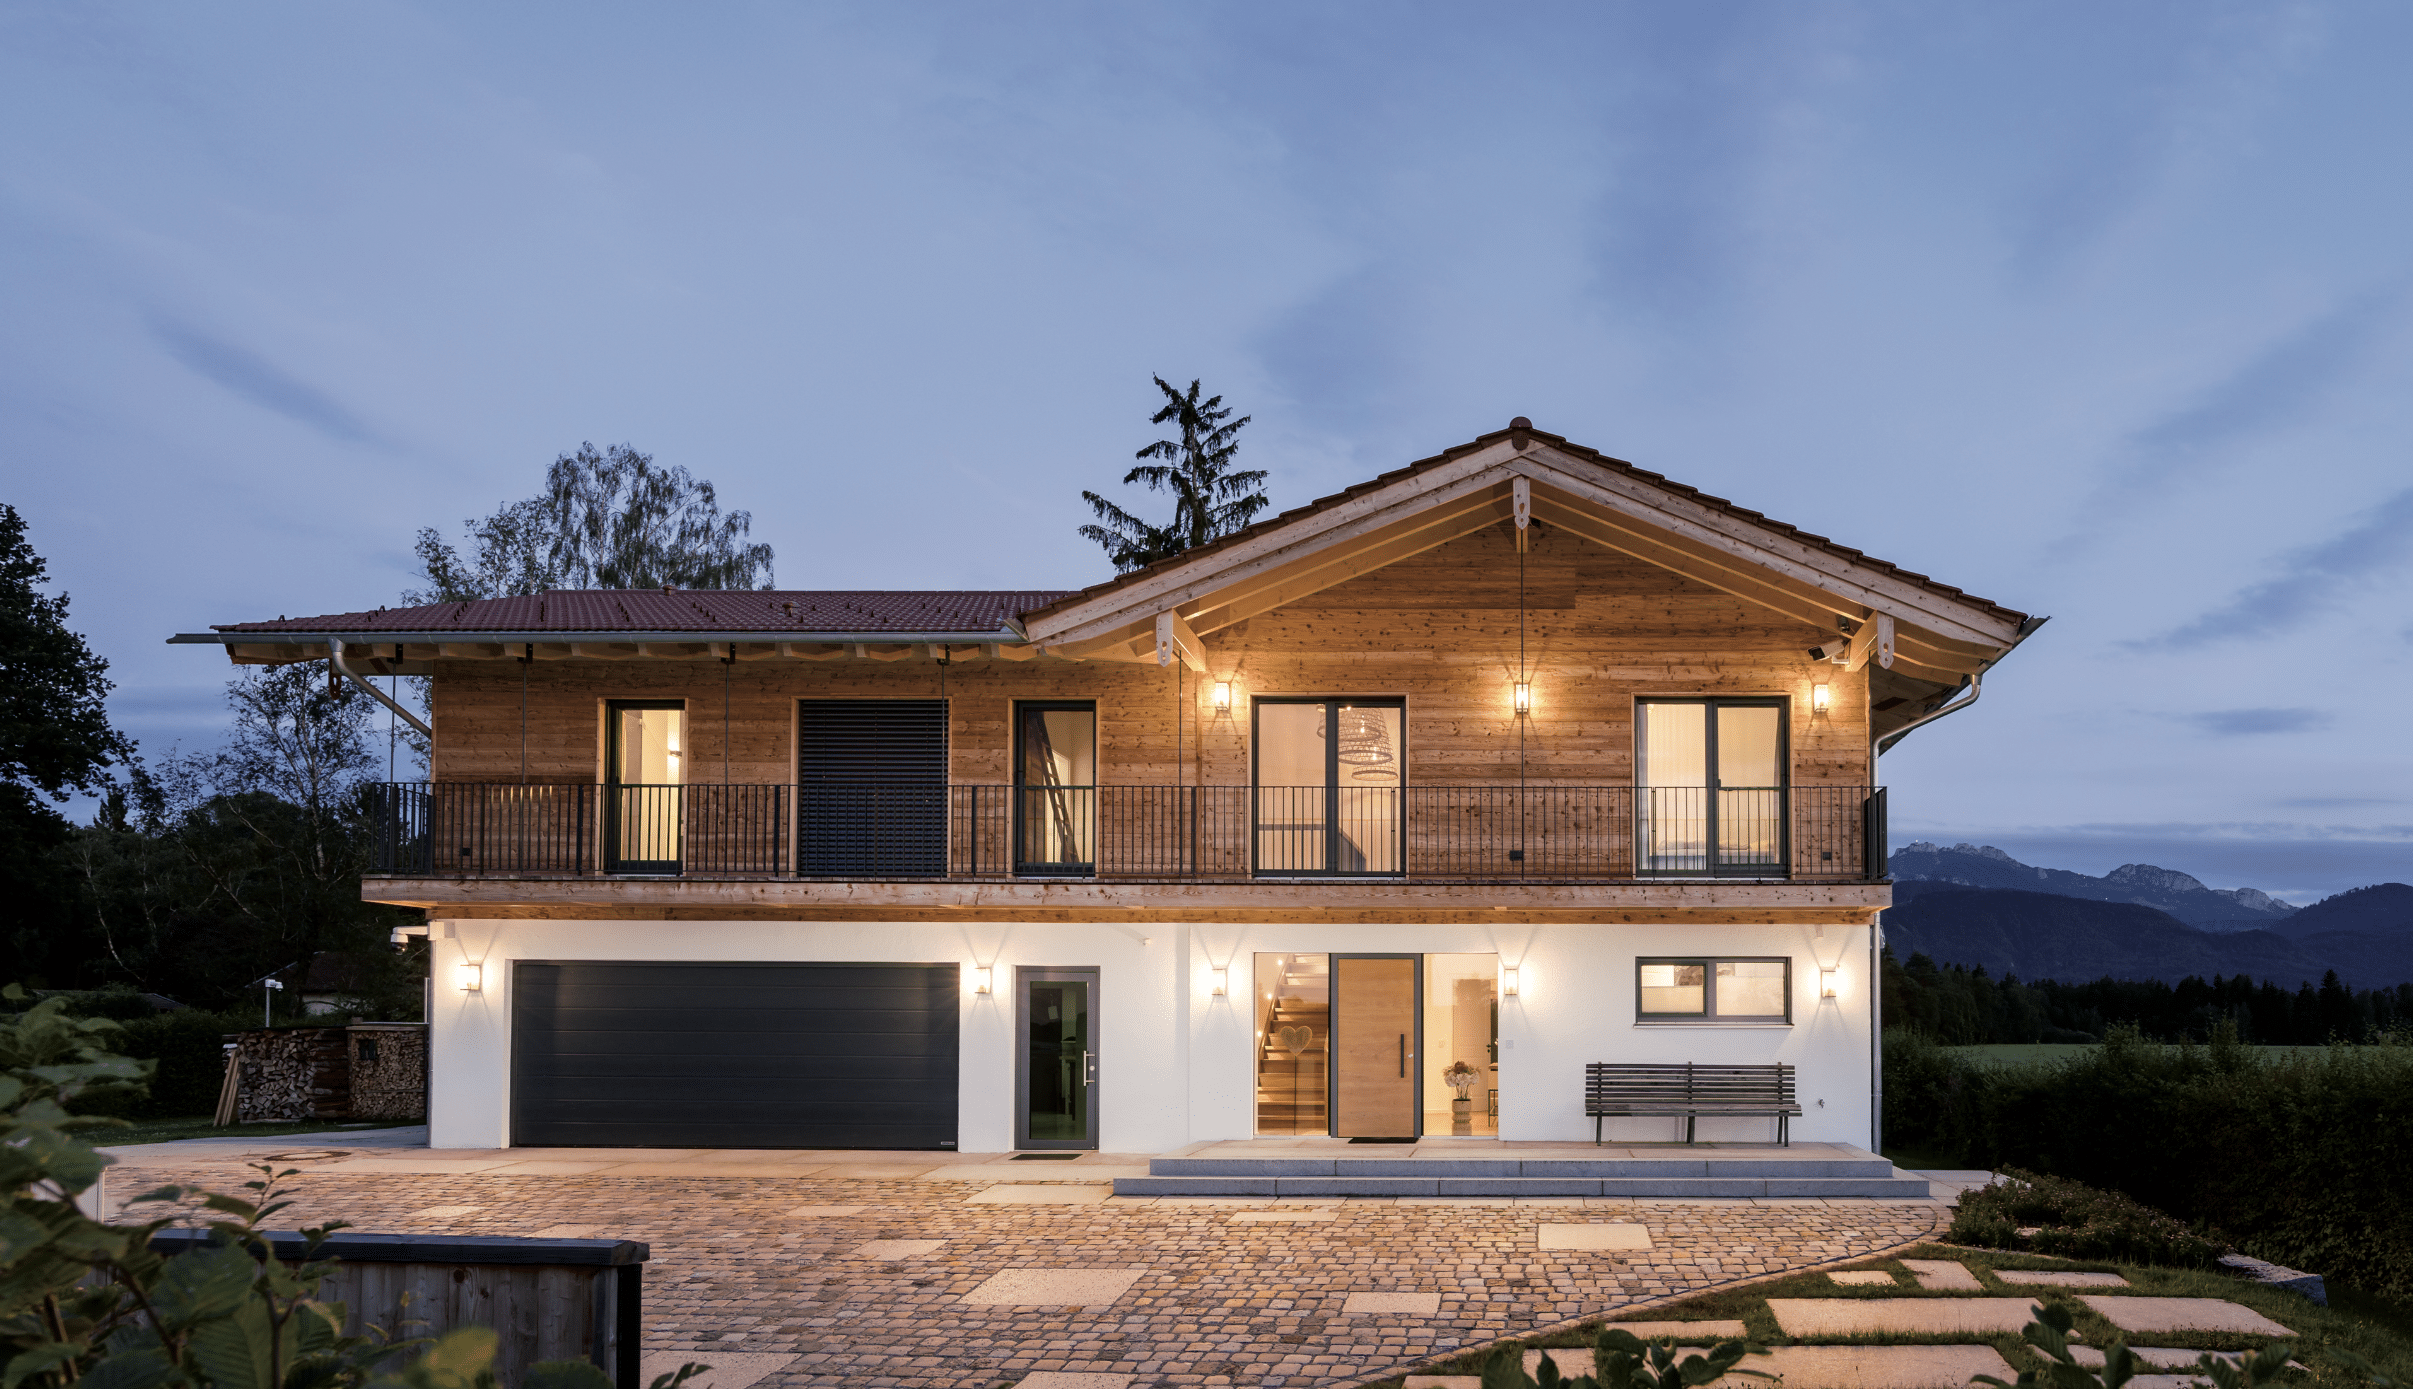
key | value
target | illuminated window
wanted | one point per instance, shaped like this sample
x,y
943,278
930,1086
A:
x,y
1714,991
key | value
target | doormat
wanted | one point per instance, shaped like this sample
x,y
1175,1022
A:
x,y
1045,1157
1382,1140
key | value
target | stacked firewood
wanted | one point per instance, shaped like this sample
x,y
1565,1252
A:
x,y
389,1070
293,1073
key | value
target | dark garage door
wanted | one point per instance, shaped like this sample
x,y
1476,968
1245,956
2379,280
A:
x,y
733,1055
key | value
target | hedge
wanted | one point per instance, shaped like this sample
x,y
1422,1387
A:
x,y
2299,1160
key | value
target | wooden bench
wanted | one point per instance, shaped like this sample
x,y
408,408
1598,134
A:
x,y
1614,1090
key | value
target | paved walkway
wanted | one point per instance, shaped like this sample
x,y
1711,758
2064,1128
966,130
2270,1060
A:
x,y
865,1269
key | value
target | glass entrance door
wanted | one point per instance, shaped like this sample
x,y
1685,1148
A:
x,y
1328,778
1056,1070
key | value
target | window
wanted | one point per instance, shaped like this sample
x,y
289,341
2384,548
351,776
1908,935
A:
x,y
1056,787
1747,990
644,767
1711,779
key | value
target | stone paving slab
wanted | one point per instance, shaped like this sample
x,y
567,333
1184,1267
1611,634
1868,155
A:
x,y
1054,1287
1682,1330
1938,1316
1864,1278
1870,1367
444,1212
1392,1304
1597,1237
1073,1379
1943,1276
2056,1278
729,1371
1325,1214
1212,1301
874,1172
1040,1195
2184,1314
1030,1172
2155,1357
890,1250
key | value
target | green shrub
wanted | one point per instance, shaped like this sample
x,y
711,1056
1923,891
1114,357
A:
x,y
2299,1159
2075,1221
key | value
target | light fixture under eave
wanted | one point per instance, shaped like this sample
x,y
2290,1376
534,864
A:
x,y
1826,983
1524,697
1222,978
471,978
983,976
1223,694
1508,981
1822,698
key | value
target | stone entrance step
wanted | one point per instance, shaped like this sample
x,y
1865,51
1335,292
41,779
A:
x,y
1862,1176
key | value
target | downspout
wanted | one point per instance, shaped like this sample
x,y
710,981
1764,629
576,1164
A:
x,y
335,653
1876,928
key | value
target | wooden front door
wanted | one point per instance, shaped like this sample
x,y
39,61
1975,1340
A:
x,y
1374,1044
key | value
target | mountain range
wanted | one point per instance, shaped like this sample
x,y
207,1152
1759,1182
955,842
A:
x,y
1976,905
2165,889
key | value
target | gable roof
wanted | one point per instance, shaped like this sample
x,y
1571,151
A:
x,y
1943,632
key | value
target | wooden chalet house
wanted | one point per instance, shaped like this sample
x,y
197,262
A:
x,y
1380,818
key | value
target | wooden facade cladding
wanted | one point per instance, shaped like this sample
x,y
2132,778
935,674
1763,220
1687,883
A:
x,y
1440,628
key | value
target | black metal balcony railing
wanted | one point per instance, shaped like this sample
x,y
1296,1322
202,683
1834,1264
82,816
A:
x,y
880,830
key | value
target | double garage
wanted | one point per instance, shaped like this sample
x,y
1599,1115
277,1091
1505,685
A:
x,y
624,1054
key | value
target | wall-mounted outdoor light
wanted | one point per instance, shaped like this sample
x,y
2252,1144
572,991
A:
x,y
1221,978
1508,981
1524,697
1223,695
1826,983
982,977
1821,698
470,978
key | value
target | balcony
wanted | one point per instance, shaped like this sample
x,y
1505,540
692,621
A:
x,y
856,831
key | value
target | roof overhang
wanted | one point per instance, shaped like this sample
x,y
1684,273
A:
x,y
412,650
1939,637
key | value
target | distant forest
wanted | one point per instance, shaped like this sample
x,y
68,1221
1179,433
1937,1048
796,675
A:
x,y
1957,1006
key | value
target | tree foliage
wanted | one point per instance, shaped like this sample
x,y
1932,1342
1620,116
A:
x,y
232,864
55,739
89,1305
1209,499
608,519
1960,1006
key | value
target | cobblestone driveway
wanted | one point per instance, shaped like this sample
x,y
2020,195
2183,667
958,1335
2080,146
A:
x,y
1218,1301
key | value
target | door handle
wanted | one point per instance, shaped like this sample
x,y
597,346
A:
x,y
1403,1056
1089,1068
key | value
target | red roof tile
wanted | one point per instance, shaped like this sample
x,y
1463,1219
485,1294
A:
x,y
688,610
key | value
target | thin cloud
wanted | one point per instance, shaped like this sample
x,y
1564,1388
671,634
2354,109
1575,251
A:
x,y
2276,388
2245,723
2310,580
261,382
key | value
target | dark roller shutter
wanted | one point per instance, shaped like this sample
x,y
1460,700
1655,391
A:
x,y
872,787
733,1055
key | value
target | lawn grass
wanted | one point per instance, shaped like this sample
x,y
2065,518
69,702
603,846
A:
x,y
200,1126
2378,1331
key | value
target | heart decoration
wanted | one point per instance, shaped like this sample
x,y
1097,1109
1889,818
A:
x,y
1294,1040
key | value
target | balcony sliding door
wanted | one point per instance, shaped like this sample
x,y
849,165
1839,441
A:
x,y
1055,787
1712,777
644,771
1328,797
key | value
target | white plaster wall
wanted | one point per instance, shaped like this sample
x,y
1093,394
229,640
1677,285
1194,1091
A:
x,y
1139,1014
1575,1004
1176,1062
